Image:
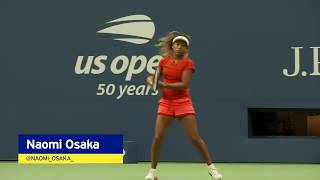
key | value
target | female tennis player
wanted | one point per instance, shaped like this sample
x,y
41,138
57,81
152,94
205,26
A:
x,y
175,74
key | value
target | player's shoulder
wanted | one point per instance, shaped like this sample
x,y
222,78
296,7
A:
x,y
164,59
188,60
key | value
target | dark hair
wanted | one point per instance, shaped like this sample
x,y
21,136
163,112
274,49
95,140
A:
x,y
165,42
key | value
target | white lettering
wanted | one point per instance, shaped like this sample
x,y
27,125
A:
x,y
122,90
114,64
98,62
86,69
315,61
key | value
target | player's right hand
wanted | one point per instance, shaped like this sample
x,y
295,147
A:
x,y
149,80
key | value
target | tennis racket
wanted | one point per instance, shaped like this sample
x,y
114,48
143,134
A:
x,y
155,79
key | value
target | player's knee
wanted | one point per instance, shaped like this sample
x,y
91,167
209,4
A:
x,y
158,139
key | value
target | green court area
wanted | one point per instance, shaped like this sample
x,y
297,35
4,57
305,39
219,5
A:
x,y
166,171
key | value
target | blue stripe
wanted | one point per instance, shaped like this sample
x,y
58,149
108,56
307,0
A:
x,y
108,144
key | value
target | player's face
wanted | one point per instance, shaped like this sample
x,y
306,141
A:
x,y
179,48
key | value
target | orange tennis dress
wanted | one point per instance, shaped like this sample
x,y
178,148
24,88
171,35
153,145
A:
x,y
175,103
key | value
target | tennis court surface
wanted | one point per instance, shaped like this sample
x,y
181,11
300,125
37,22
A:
x,y
10,170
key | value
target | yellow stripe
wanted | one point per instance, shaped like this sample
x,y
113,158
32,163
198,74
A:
x,y
69,158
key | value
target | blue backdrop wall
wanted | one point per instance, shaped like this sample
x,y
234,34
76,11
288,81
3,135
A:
x,y
240,49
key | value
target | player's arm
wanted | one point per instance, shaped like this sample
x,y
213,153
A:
x,y
159,76
184,84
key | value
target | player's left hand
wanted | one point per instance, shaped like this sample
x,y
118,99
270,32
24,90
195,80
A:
x,y
162,85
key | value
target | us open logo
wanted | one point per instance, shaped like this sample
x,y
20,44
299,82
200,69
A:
x,y
136,29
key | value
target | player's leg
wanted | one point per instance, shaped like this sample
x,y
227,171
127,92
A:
x,y
189,123
163,122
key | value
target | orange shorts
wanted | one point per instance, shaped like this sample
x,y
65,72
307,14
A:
x,y
176,107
